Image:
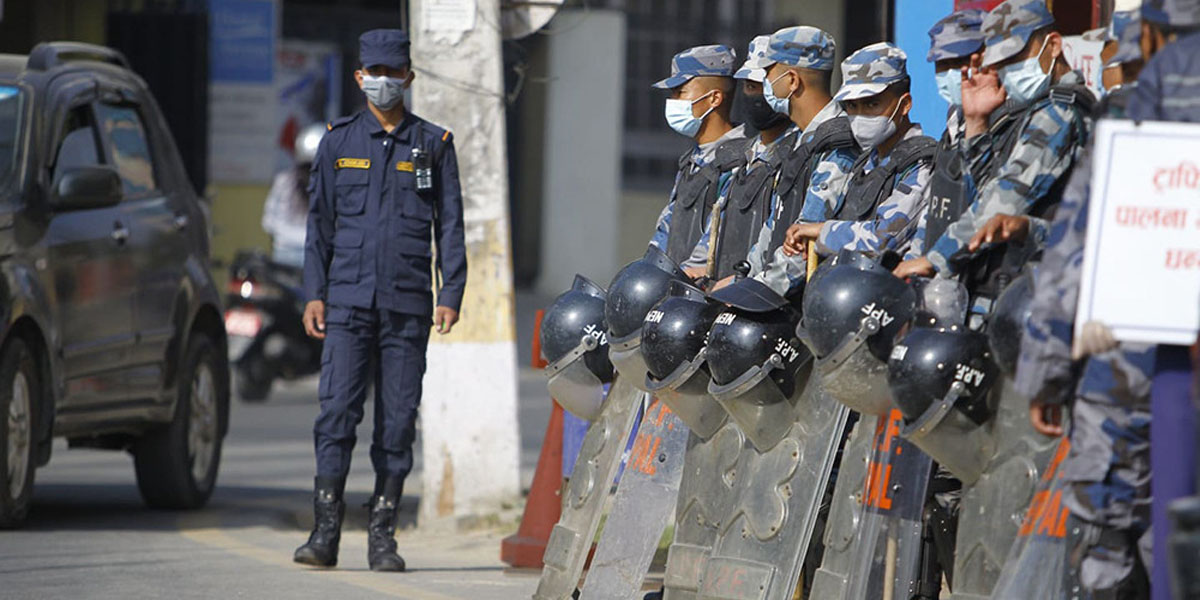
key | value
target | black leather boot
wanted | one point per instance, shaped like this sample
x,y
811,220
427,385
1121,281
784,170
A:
x,y
381,528
321,550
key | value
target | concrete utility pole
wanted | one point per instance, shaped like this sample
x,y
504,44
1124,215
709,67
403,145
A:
x,y
469,411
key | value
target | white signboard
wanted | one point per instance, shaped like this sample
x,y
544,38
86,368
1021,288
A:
x,y
1141,267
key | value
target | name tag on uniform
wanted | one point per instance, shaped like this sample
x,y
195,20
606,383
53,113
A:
x,y
353,163
405,166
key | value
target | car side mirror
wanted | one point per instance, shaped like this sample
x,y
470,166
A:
x,y
80,188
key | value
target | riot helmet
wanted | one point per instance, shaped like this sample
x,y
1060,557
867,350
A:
x,y
759,367
636,289
854,308
575,345
673,344
1007,321
940,378
941,302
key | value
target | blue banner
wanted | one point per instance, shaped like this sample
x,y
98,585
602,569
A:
x,y
242,36
914,18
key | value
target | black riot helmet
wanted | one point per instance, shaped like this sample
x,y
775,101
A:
x,y
674,334
575,344
849,290
854,308
636,289
940,378
930,360
758,367
1007,320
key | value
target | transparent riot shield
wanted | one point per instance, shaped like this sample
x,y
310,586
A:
x,y
760,547
591,478
1037,562
706,494
993,507
873,536
643,504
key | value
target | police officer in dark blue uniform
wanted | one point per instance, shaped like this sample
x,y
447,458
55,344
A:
x,y
384,189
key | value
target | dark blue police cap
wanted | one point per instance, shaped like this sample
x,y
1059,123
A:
x,y
387,47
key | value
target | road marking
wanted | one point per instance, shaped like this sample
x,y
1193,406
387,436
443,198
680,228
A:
x,y
206,529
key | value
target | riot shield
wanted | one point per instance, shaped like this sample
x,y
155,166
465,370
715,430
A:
x,y
873,537
591,478
642,506
706,495
1037,562
992,507
759,550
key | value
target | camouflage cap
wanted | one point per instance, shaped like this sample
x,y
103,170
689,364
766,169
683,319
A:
x,y
757,63
1008,27
956,36
701,61
1172,13
1126,30
802,46
871,70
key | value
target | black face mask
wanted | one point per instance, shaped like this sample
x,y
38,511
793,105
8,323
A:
x,y
759,113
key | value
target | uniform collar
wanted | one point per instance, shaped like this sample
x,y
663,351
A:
x,y
401,132
704,153
830,111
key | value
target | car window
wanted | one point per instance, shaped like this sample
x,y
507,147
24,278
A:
x,y
78,147
130,152
11,101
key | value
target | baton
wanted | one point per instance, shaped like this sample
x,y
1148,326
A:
x,y
811,259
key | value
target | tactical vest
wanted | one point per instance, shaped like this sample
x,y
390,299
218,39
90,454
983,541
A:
x,y
989,270
867,190
695,194
797,171
947,187
747,207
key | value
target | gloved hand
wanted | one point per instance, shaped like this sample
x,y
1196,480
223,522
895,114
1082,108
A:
x,y
1094,338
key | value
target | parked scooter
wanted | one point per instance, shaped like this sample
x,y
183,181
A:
x,y
263,321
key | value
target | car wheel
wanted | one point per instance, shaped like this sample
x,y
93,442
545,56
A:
x,y
19,404
251,388
177,463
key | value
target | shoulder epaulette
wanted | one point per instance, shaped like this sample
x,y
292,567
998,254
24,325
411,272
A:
x,y
334,124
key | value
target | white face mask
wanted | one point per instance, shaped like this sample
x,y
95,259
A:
x,y
780,105
872,131
679,115
1024,81
383,91
949,86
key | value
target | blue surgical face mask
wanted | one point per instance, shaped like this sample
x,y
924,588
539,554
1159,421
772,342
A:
x,y
680,117
779,105
383,91
1025,80
949,86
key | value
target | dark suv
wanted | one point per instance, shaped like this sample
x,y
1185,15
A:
x,y
110,325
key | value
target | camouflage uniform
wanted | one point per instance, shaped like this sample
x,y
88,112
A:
x,y
757,153
955,36
810,48
1108,468
1043,152
1126,30
869,72
701,61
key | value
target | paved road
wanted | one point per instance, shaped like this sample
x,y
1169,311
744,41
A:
x,y
90,537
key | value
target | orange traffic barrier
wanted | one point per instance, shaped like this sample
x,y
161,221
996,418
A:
x,y
525,548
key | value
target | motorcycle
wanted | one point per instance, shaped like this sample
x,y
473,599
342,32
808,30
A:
x,y
267,340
